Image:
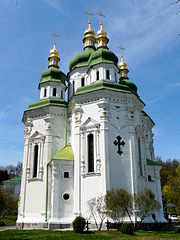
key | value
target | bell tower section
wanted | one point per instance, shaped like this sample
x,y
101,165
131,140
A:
x,y
45,133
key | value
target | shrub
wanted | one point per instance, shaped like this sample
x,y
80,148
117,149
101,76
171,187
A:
x,y
177,230
2,224
79,224
127,229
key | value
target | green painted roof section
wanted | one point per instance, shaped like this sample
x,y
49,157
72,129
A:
x,y
81,59
130,84
102,55
104,85
152,163
53,74
64,154
47,102
15,179
90,57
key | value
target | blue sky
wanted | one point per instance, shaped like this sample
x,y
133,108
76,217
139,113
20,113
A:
x,y
147,28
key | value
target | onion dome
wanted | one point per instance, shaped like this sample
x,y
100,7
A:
x,y
129,84
102,39
123,70
53,58
89,37
81,59
102,55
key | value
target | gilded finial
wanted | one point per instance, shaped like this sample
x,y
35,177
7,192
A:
x,y
89,13
100,13
102,39
122,49
123,66
53,58
89,34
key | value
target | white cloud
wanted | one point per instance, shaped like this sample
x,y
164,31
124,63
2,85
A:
x,y
145,27
54,4
163,93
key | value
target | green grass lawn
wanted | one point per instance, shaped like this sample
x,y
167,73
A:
x,y
69,235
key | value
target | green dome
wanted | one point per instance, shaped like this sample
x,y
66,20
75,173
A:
x,y
53,74
81,59
102,55
130,84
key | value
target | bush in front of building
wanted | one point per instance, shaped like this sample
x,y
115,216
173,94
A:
x,y
127,228
79,224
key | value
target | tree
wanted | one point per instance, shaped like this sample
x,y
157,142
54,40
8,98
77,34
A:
x,y
8,204
97,208
3,175
171,191
146,204
120,203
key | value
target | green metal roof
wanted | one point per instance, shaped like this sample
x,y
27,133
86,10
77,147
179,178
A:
x,y
81,59
102,55
104,85
15,179
130,84
64,154
53,74
47,102
90,57
152,163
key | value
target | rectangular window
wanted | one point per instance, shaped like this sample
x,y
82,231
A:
x,y
45,92
115,77
97,75
61,94
82,82
107,74
54,92
66,174
35,163
90,153
73,88
140,159
149,178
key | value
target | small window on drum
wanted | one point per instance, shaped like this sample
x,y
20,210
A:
x,y
66,196
82,82
54,92
107,74
66,174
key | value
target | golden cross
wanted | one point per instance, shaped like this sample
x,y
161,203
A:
x,y
122,49
54,35
100,13
89,13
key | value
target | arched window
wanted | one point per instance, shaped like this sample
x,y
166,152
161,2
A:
x,y
45,92
54,92
35,163
140,159
97,75
90,142
82,82
107,74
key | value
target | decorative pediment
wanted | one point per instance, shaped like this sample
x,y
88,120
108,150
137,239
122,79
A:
x,y
37,135
90,124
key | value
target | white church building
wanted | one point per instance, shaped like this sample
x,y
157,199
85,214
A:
x,y
78,148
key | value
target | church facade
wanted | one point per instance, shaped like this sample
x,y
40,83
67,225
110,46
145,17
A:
x,y
98,139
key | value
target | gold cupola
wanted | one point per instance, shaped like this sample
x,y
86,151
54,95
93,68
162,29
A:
x,y
102,39
89,37
123,70
53,57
